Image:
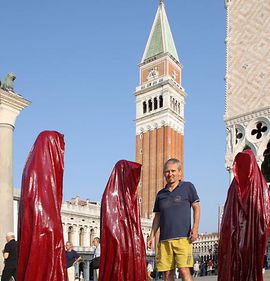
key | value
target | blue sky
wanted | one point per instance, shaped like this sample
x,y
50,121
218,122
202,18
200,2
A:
x,y
77,62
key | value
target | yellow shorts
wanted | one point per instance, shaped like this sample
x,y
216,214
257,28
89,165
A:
x,y
173,254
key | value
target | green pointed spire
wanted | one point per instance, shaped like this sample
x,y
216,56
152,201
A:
x,y
160,39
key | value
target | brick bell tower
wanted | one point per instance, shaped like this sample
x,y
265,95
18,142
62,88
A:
x,y
160,100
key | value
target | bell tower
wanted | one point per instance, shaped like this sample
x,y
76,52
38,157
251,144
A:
x,y
160,100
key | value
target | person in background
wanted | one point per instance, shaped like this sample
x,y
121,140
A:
x,y
72,258
10,258
94,265
196,268
149,269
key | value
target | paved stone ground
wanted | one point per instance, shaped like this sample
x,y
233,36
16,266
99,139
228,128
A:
x,y
214,278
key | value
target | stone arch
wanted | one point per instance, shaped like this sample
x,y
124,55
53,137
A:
x,y
144,107
155,103
246,145
81,237
92,235
160,101
71,234
150,105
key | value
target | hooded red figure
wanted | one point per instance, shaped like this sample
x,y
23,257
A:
x,y
123,255
245,224
40,232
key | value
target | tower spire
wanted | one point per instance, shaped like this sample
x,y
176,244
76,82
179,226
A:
x,y
160,40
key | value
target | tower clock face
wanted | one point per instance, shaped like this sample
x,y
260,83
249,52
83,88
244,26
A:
x,y
153,73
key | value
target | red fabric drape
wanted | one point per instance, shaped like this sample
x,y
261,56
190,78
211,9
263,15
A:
x,y
245,224
40,232
123,254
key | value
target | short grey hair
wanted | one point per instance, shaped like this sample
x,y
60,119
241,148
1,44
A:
x,y
10,234
97,239
172,161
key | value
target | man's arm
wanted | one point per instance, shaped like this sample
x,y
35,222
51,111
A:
x,y
5,255
77,260
6,251
196,219
155,227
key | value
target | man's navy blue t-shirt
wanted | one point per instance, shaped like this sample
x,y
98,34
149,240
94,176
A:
x,y
175,210
71,257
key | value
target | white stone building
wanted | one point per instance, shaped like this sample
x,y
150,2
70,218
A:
x,y
81,224
206,246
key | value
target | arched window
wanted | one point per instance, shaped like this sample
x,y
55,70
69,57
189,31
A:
x,y
150,105
266,163
155,103
144,107
92,236
160,101
81,237
246,147
179,110
175,105
70,234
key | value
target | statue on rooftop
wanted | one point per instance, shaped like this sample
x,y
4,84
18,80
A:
x,y
7,85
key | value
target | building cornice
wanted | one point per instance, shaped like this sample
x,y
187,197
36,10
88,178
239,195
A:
x,y
246,117
161,82
11,105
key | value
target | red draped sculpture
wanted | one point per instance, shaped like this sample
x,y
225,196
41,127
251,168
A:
x,y
40,232
245,224
123,255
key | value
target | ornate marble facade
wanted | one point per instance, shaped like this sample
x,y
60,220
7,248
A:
x,y
247,110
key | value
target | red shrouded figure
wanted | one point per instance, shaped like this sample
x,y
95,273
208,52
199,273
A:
x,y
245,224
123,254
40,232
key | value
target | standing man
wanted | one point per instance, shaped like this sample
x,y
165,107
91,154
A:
x,y
94,264
72,259
173,216
10,258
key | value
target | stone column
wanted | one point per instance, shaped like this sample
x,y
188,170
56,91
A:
x,y
87,242
65,232
86,270
10,106
76,235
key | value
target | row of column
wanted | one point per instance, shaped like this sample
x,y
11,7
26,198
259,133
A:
x,y
81,236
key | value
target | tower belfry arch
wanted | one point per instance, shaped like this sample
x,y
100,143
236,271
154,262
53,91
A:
x,y
160,100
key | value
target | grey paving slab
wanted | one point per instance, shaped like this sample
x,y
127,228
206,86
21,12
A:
x,y
214,278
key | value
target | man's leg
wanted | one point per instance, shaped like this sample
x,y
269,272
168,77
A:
x,y
7,274
71,273
169,275
185,274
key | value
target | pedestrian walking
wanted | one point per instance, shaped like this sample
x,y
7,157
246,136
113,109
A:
x,y
196,268
10,258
